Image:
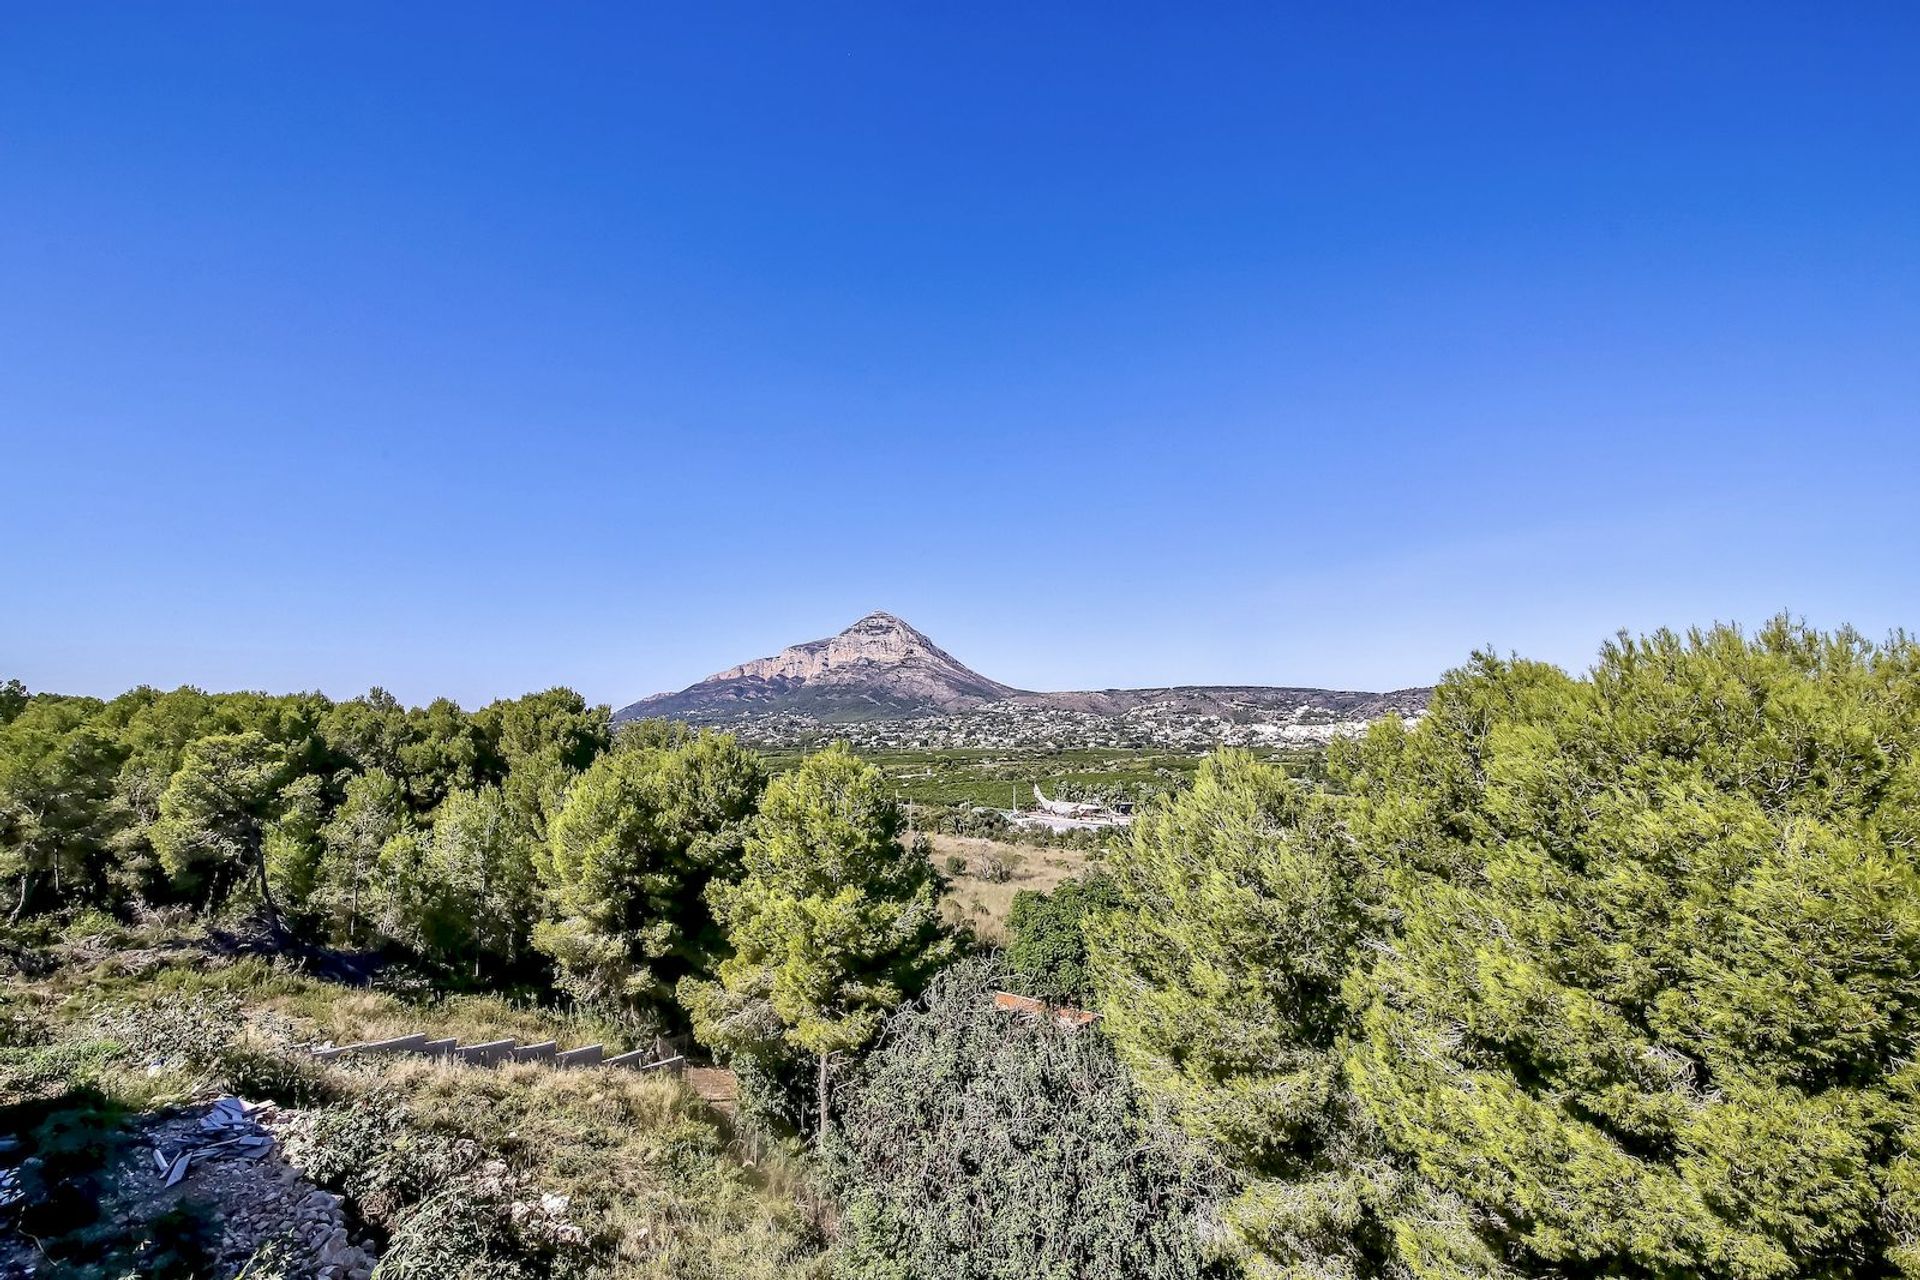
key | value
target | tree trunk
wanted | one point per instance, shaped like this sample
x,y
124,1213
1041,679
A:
x,y
26,880
353,897
821,1136
266,892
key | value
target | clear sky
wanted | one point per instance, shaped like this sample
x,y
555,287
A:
x,y
474,348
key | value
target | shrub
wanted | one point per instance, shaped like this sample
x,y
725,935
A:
x,y
993,866
1048,947
175,1030
977,1145
460,1229
292,1079
95,923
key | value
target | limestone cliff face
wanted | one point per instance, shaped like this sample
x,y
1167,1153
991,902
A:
x,y
878,647
879,667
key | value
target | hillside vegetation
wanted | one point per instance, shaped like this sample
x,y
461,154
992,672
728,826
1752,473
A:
x,y
1603,974
506,1171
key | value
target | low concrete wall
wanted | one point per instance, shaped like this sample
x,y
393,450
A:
x,y
492,1052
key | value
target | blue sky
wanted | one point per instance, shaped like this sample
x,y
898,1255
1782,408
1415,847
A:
x,y
474,348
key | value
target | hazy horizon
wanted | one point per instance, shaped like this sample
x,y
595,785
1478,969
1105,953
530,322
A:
x,y
619,700
467,351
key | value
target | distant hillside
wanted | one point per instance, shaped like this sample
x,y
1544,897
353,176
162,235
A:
x,y
878,668
884,674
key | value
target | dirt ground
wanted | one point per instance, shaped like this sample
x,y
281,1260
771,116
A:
x,y
976,899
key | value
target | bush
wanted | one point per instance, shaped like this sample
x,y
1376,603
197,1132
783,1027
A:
x,y
993,866
460,1230
21,1027
292,1079
977,1145
1048,947
175,1030
95,923
449,1208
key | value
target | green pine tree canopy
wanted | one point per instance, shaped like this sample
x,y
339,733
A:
x,y
1616,975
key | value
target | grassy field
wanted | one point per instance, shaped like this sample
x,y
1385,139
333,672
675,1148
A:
x,y
998,779
978,898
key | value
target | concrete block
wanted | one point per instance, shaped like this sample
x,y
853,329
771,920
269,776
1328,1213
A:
x,y
399,1044
485,1055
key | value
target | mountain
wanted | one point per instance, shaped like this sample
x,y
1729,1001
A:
x,y
885,683
878,668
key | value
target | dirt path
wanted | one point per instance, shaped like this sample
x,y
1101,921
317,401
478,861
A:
x,y
717,1086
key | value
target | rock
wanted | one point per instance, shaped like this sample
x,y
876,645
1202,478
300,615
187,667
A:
x,y
879,661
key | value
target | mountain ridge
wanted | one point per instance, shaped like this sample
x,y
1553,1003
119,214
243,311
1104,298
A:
x,y
882,668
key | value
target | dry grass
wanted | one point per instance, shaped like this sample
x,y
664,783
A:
x,y
640,1157
317,1010
656,1176
984,904
354,1016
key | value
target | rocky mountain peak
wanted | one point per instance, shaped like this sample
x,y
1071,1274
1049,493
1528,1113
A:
x,y
881,665
884,669
877,640
887,640
882,621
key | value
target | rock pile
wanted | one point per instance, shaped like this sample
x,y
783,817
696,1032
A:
x,y
321,1226
228,1157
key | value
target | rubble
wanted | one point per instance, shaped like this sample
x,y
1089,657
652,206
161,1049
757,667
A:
x,y
228,1157
230,1130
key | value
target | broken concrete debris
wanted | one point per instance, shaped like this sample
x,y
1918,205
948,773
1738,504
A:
x,y
229,1130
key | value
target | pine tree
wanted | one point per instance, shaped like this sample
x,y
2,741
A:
x,y
1649,998
373,812
835,922
1612,975
1242,909
628,859
214,817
